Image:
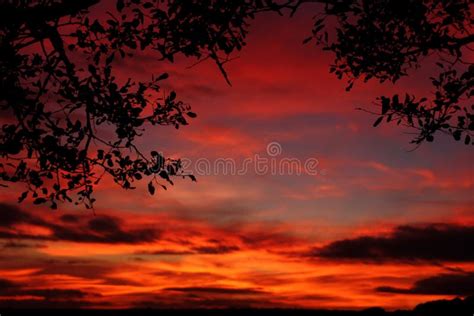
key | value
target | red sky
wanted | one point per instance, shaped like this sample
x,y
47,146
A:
x,y
379,225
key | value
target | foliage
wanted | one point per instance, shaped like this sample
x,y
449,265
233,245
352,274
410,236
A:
x,y
68,118
385,39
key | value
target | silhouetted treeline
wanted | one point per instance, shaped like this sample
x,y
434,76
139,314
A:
x,y
455,307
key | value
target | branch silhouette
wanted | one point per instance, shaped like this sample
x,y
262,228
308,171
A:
x,y
70,120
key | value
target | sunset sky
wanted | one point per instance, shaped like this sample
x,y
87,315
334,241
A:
x,y
380,224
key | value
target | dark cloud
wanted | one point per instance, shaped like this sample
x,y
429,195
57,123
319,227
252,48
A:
x,y
214,250
55,294
69,218
267,239
99,229
6,285
103,229
231,299
9,288
43,304
216,290
315,297
435,242
166,252
11,215
104,224
456,306
210,297
43,297
21,245
232,306
92,270
204,250
84,270
461,284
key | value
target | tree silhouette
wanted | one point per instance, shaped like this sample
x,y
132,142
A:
x,y
68,119
385,39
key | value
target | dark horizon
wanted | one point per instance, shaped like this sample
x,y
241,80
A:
x,y
457,306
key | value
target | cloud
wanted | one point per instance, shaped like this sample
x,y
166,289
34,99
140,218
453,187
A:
x,y
84,269
201,250
25,295
5,285
214,250
434,242
45,304
166,252
104,229
9,288
197,302
461,284
216,290
19,245
267,239
54,294
69,218
210,297
11,215
99,229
